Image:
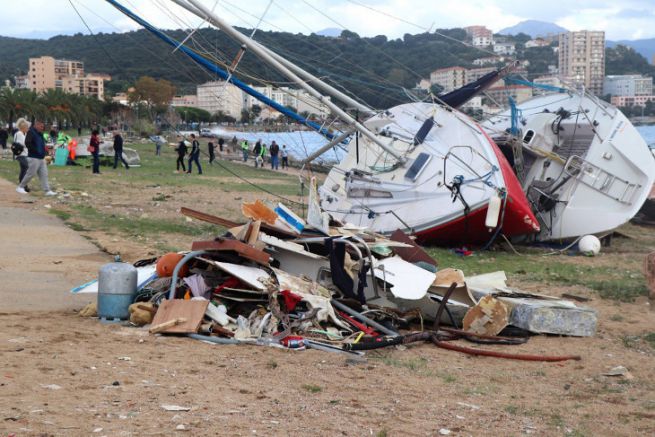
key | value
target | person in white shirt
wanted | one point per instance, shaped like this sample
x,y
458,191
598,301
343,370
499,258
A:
x,y
19,137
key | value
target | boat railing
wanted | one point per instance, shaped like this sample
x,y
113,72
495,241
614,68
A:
x,y
609,184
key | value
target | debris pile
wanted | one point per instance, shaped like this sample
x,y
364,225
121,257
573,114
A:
x,y
283,281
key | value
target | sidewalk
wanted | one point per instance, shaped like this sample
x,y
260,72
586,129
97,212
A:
x,y
41,259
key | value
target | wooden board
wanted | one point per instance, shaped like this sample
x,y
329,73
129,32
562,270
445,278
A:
x,y
191,310
416,253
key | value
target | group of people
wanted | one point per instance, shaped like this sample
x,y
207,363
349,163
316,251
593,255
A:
x,y
260,151
194,156
29,148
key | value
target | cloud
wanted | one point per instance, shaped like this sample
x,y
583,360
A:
x,y
621,20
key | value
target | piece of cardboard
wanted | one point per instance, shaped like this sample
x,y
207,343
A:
x,y
192,311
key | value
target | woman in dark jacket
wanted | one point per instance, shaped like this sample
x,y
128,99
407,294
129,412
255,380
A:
x,y
94,148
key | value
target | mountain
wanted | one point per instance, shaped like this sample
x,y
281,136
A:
x,y
330,32
534,28
645,47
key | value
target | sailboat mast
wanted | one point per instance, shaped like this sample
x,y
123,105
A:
x,y
265,56
327,88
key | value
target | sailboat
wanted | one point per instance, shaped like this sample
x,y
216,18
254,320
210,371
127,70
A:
x,y
424,168
583,165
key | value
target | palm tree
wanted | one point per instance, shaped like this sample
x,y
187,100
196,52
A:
x,y
19,102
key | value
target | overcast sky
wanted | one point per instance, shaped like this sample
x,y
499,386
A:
x,y
620,19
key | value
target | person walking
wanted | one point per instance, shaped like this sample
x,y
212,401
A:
x,y
245,149
118,150
194,156
212,156
181,153
274,151
19,146
262,156
221,142
36,164
285,157
4,135
257,151
94,148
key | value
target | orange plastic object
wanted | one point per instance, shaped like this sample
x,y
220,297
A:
x,y
166,264
259,211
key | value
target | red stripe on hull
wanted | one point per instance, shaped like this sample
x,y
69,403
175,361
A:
x,y
470,229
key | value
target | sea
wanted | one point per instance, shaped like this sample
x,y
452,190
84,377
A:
x,y
648,133
302,143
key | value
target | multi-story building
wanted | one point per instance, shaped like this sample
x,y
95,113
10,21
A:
x,y
449,78
221,96
500,93
582,59
474,74
631,100
190,100
504,48
491,60
47,73
22,82
300,100
537,42
480,36
628,85
548,80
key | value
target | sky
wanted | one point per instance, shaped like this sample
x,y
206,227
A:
x,y
621,20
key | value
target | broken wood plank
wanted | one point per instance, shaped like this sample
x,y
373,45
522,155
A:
x,y
226,244
208,218
164,326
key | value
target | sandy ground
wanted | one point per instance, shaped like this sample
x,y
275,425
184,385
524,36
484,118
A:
x,y
63,375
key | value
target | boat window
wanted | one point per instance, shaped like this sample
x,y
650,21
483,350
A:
x,y
528,136
417,167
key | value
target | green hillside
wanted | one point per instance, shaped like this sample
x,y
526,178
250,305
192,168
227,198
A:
x,y
374,69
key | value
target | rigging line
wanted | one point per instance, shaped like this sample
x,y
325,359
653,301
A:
x,y
394,60
221,165
185,68
93,34
289,54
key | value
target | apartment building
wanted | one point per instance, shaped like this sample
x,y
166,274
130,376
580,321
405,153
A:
x,y
480,36
47,73
631,100
628,85
189,100
582,59
290,97
221,96
449,78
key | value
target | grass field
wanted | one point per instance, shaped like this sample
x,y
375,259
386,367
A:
x,y
142,204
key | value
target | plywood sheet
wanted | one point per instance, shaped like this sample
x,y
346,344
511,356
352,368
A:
x,y
191,310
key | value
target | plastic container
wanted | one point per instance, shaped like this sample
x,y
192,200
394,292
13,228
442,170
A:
x,y
117,287
61,156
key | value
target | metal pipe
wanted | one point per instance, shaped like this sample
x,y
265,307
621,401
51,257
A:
x,y
180,264
266,57
328,146
293,67
361,318
217,340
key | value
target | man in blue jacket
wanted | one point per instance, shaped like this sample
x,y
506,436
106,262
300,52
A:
x,y
36,164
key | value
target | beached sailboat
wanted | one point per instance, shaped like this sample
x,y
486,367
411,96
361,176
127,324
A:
x,y
421,167
583,165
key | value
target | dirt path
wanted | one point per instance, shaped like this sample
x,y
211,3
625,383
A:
x,y
67,376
